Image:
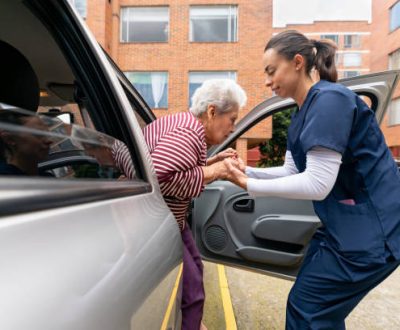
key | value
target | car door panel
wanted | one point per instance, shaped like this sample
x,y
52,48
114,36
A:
x,y
268,234
271,231
41,255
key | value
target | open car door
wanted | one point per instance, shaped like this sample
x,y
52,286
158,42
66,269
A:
x,y
268,234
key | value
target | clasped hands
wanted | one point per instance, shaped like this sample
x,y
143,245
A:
x,y
229,166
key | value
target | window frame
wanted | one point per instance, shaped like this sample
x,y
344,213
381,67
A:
x,y
326,36
395,6
82,14
357,44
343,61
166,88
144,41
351,76
394,120
205,72
208,6
391,59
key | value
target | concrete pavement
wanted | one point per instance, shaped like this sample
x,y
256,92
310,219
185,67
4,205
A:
x,y
259,302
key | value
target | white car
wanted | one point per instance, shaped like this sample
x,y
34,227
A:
x,y
83,245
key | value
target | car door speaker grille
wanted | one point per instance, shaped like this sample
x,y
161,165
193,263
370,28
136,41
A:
x,y
216,238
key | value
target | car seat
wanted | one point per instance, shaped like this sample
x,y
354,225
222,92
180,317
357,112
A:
x,y
19,85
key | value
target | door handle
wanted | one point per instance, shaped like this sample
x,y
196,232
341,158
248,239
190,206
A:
x,y
244,205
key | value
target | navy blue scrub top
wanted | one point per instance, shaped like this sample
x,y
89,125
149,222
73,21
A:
x,y
334,117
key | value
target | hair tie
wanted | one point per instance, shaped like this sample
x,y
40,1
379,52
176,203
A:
x,y
315,46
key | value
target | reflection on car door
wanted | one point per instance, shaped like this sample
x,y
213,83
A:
x,y
268,234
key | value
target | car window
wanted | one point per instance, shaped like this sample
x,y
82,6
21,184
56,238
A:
x,y
52,123
141,110
37,144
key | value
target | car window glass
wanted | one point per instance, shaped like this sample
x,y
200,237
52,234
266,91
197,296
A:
x,y
272,151
41,145
134,106
139,119
49,105
140,113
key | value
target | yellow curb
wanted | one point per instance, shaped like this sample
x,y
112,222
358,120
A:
x,y
171,301
226,299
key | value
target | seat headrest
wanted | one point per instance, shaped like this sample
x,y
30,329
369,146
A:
x,y
19,85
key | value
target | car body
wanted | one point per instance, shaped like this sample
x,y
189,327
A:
x,y
82,249
84,246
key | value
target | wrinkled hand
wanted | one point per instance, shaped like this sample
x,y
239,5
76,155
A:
x,y
227,153
242,165
221,169
234,172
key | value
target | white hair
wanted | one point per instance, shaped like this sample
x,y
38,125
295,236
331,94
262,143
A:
x,y
224,94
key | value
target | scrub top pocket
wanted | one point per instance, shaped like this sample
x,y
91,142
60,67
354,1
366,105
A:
x,y
355,229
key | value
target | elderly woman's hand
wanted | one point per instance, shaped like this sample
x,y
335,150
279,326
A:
x,y
227,153
242,165
224,170
235,173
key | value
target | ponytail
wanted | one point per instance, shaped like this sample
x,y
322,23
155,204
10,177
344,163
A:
x,y
324,61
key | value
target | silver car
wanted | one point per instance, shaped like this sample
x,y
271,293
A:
x,y
84,245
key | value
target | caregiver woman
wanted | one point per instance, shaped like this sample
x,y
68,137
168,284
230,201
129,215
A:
x,y
337,157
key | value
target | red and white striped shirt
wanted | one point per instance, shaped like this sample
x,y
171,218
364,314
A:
x,y
178,149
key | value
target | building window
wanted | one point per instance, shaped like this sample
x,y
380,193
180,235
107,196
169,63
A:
x,y
352,41
197,78
144,24
338,58
351,59
213,23
394,112
394,60
153,86
80,6
350,74
333,37
395,16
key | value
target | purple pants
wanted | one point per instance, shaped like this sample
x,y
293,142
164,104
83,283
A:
x,y
192,287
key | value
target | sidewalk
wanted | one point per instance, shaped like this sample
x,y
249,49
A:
x,y
259,302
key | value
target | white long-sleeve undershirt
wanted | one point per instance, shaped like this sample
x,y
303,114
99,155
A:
x,y
315,183
288,168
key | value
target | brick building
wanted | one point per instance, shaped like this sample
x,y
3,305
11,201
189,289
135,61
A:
x,y
346,23
167,48
385,54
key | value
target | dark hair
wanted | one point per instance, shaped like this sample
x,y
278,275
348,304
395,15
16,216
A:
x,y
317,53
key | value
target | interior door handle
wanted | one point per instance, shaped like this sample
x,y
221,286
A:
x,y
244,205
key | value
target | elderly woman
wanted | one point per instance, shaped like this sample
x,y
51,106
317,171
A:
x,y
178,146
